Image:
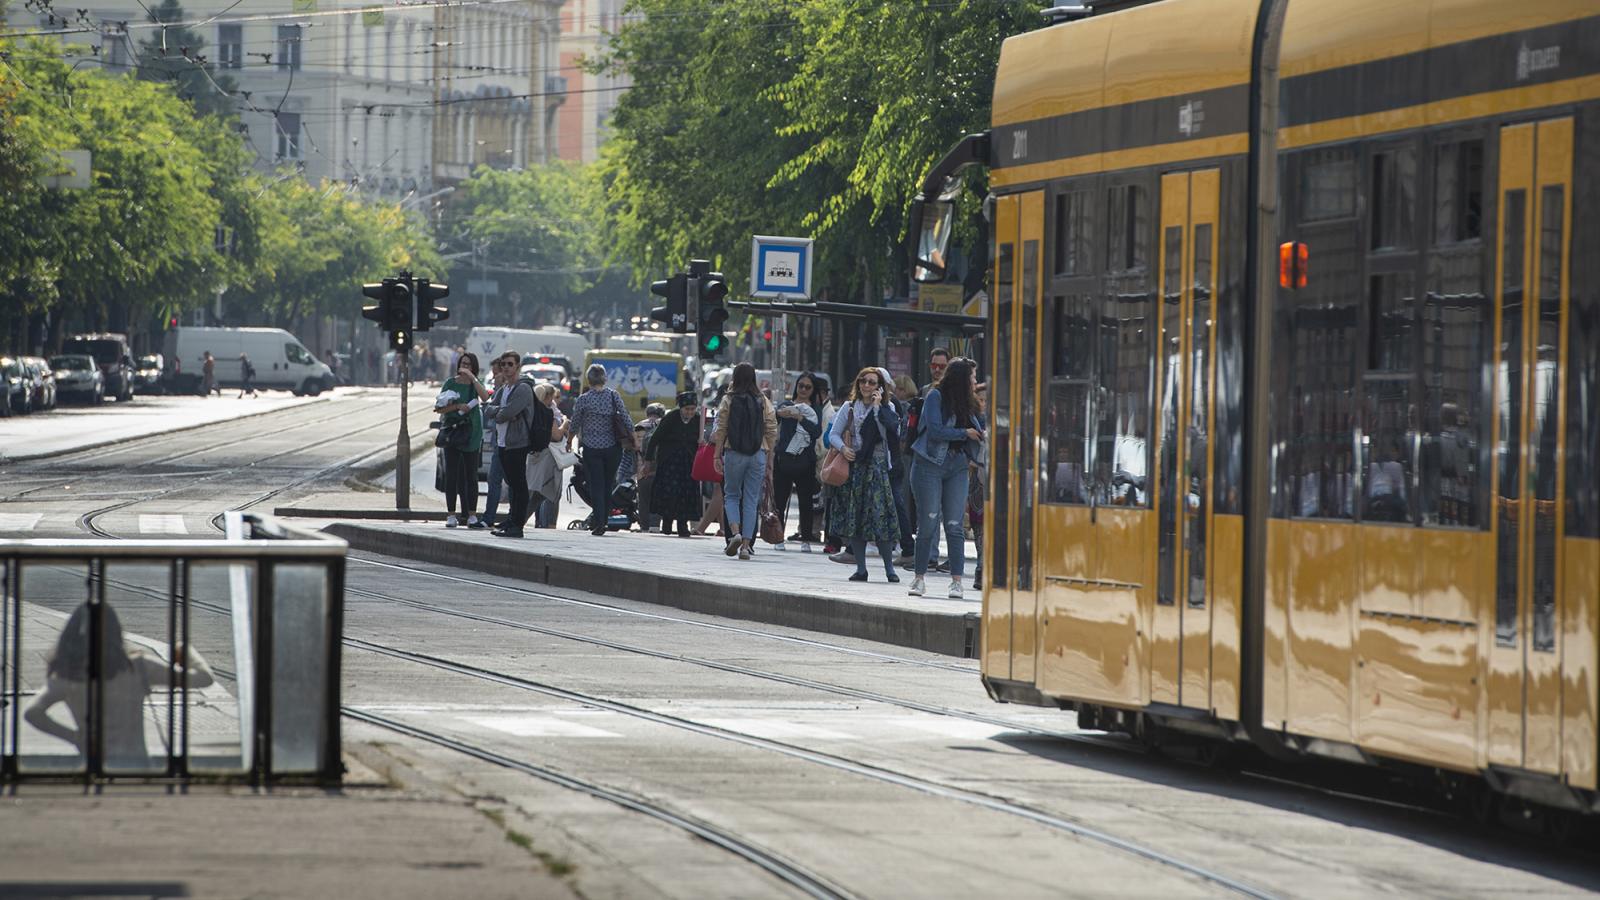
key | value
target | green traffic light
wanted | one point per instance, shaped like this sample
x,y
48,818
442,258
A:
x,y
714,342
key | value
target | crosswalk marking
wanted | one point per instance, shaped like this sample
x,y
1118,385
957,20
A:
x,y
539,726
778,729
161,523
19,521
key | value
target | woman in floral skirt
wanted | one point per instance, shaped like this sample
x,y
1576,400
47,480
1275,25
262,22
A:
x,y
863,508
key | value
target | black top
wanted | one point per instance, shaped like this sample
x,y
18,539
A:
x,y
673,431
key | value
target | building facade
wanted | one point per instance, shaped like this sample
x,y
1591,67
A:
x,y
583,115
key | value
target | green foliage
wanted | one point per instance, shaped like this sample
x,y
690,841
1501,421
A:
x,y
815,119
537,230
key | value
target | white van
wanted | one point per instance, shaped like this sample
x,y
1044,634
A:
x,y
491,342
280,360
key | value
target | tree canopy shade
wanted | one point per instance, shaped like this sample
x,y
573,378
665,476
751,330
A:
x,y
814,119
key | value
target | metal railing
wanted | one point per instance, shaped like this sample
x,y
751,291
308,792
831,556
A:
x,y
224,653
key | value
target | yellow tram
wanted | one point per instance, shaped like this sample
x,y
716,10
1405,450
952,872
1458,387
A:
x,y
1296,378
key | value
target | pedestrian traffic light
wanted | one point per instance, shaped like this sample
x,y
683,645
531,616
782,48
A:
x,y
428,310
711,288
676,292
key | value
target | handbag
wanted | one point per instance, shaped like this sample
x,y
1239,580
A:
x,y
453,436
835,468
771,522
565,459
621,425
705,464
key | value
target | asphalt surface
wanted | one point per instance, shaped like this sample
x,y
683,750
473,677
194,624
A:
x,y
640,751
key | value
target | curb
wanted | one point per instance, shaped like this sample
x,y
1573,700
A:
x,y
952,634
393,515
139,437
383,460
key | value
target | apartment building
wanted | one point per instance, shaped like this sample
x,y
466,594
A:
x,y
582,117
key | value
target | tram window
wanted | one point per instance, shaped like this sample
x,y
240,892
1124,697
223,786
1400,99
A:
x,y
1394,198
1127,227
1073,233
1324,354
1508,381
1391,335
1458,192
1328,185
1455,352
1067,418
1545,414
1122,452
1386,450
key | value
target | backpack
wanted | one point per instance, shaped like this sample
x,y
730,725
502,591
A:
x,y
541,421
744,424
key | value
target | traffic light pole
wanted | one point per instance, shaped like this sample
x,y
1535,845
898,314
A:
x,y
780,346
402,446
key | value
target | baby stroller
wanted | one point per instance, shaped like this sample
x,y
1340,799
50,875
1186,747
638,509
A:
x,y
624,503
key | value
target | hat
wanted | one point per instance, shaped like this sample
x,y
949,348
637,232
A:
x,y
688,398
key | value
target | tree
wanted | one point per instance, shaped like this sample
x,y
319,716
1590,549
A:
x,y
176,55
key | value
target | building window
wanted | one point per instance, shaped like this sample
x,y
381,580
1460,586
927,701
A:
x,y
1328,185
288,135
1394,198
230,46
1458,192
289,47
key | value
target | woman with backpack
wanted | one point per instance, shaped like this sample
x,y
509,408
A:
x,y
671,448
601,422
862,509
795,469
460,416
949,441
746,431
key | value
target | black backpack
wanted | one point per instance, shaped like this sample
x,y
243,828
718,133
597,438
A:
x,y
744,424
541,420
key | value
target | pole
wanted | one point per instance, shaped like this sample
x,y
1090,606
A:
x,y
780,364
402,446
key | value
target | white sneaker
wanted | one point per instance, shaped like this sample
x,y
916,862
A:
x,y
955,591
450,522
779,546
917,587
805,546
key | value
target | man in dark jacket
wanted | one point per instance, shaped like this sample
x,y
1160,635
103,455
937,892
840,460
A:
x,y
514,415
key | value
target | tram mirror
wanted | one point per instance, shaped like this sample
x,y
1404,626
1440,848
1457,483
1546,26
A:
x,y
932,220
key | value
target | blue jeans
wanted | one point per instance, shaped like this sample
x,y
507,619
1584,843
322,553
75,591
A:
x,y
941,492
742,476
491,502
600,471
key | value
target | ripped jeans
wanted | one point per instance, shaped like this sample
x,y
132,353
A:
x,y
941,494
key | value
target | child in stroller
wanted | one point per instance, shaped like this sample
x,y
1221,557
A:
x,y
624,509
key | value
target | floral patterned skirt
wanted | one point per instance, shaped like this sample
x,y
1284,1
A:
x,y
863,507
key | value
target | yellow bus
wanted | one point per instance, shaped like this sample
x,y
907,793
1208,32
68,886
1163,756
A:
x,y
642,377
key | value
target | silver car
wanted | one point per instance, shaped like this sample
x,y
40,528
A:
x,y
78,378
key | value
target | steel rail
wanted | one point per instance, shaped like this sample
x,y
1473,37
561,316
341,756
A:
x,y
796,876
794,751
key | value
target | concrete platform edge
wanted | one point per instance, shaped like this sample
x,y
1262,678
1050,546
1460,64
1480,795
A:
x,y
952,634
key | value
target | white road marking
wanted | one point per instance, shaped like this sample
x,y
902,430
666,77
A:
x,y
961,729
778,729
539,726
161,523
19,521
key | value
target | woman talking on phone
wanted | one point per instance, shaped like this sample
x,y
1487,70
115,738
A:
x,y
862,508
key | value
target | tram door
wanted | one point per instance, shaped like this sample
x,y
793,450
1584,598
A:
x,y
1530,336
1181,626
1010,624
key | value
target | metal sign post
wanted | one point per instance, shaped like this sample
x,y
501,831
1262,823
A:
x,y
402,446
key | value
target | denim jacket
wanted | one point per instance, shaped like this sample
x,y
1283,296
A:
x,y
939,431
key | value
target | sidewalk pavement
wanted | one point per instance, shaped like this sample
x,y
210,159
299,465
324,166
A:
x,y
790,588
367,839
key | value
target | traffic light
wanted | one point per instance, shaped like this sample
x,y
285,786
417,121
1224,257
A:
x,y
393,311
676,292
711,288
428,312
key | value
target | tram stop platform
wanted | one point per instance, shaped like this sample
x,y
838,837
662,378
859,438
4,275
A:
x,y
788,587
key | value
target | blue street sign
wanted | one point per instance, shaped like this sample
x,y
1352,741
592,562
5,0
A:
x,y
780,267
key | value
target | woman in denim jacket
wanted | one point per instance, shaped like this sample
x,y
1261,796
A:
x,y
949,440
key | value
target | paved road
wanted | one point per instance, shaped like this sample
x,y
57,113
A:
x,y
654,753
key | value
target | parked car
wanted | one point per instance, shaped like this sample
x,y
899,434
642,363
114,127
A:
x,y
280,360
17,385
78,378
147,374
111,355
44,381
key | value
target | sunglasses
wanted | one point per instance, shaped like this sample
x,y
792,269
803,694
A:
x,y
804,384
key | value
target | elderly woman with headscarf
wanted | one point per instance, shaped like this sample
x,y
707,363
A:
x,y
671,448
